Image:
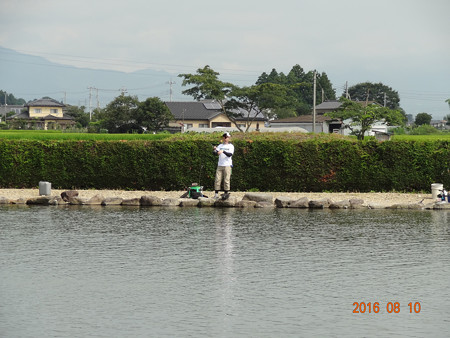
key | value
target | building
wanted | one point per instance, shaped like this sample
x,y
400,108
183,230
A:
x,y
42,114
6,109
324,124
207,115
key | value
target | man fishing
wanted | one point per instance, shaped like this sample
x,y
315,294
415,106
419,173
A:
x,y
225,151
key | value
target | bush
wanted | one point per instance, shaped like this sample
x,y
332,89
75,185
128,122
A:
x,y
425,129
262,162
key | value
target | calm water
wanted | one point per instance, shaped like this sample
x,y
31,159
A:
x,y
181,272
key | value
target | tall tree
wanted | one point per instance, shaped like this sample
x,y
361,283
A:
x,y
256,101
301,87
10,99
236,103
377,92
153,114
360,116
120,114
423,118
206,85
79,115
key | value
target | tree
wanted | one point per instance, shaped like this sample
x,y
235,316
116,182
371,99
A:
x,y
10,99
79,115
377,92
422,118
257,100
301,87
360,116
119,115
447,118
235,102
207,85
153,114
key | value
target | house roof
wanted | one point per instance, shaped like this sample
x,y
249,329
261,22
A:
x,y
204,110
44,103
194,110
332,105
329,105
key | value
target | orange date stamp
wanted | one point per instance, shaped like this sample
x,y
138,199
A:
x,y
391,307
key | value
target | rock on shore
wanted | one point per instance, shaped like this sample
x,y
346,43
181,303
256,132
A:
x,y
236,199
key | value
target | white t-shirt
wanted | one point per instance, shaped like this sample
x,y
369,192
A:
x,y
224,160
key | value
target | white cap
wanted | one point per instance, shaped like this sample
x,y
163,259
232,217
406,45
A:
x,y
226,135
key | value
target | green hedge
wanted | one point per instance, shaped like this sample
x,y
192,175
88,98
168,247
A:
x,y
262,162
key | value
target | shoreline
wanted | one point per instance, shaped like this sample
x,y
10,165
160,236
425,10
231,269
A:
x,y
374,199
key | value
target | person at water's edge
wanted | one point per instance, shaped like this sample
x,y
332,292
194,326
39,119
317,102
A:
x,y
225,151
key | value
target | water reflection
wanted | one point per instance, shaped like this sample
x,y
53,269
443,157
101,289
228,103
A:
x,y
220,272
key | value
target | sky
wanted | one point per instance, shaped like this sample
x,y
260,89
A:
x,y
404,44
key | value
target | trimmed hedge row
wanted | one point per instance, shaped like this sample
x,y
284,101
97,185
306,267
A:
x,y
261,163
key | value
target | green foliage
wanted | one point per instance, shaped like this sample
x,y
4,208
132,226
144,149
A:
x,y
422,118
78,114
377,92
10,99
447,117
262,162
424,129
237,102
362,116
153,114
206,85
423,137
44,135
300,86
119,116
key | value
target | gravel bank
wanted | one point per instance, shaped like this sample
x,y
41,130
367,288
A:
x,y
380,199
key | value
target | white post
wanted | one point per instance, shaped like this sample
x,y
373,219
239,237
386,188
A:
x,y
314,103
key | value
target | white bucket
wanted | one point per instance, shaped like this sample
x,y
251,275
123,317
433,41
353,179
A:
x,y
45,188
435,189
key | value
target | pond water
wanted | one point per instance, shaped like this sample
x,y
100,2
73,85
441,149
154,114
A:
x,y
208,272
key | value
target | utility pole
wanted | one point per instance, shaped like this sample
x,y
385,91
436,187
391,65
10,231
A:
x,y
90,106
314,103
385,100
5,106
98,103
170,85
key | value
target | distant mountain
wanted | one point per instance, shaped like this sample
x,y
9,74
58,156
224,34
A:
x,y
32,77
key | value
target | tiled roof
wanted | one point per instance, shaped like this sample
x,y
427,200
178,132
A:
x,y
193,110
44,103
329,105
203,110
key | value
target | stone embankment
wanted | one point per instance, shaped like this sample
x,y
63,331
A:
x,y
236,200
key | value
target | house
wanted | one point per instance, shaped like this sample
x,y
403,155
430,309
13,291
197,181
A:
x,y
6,109
327,107
439,124
206,115
324,124
43,114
